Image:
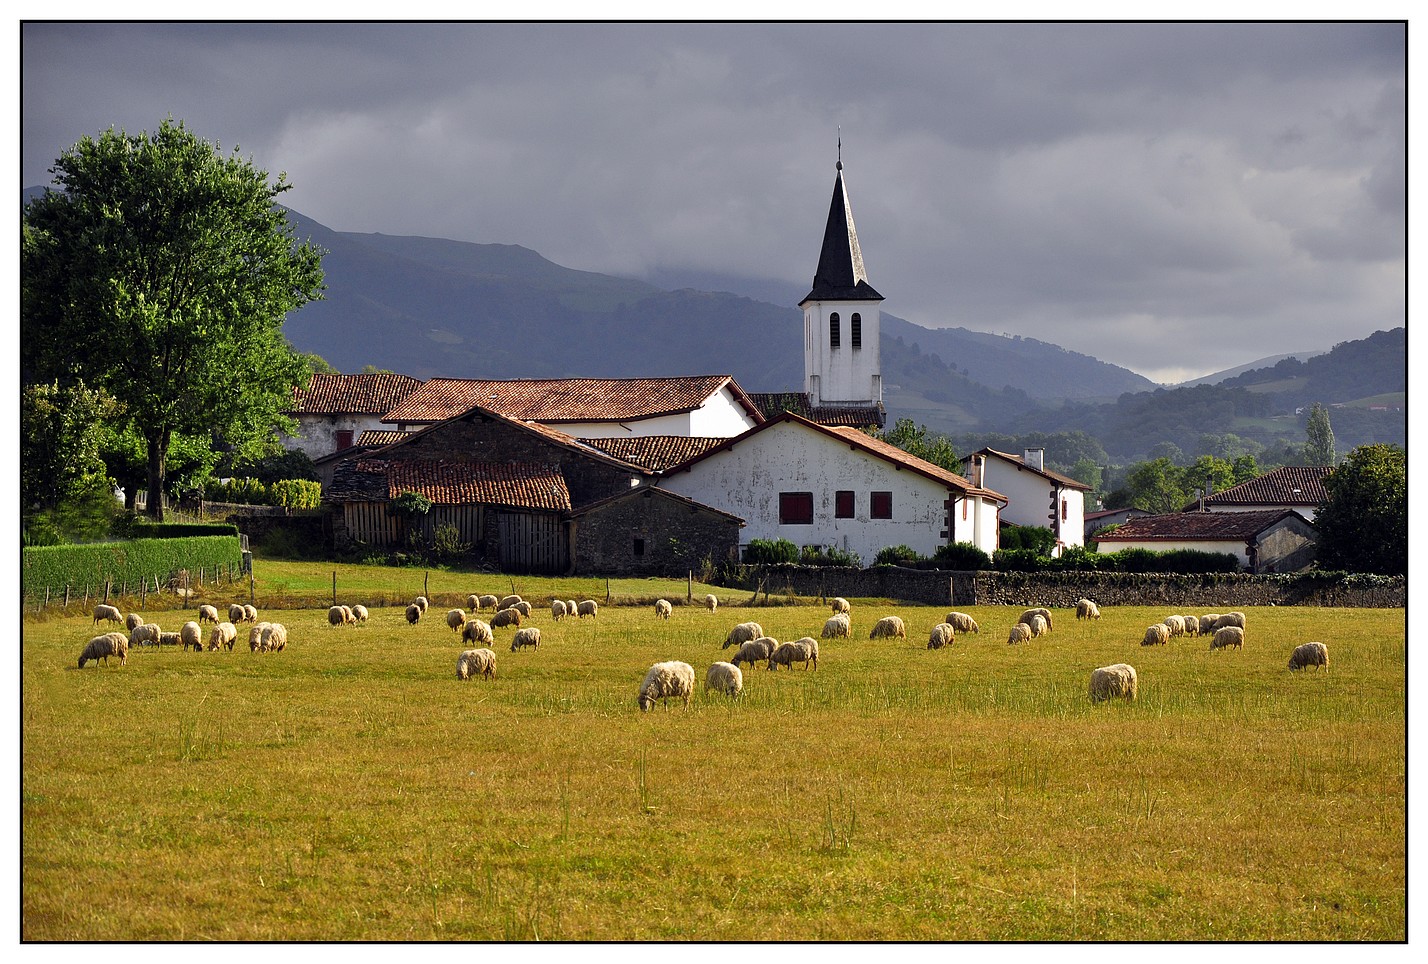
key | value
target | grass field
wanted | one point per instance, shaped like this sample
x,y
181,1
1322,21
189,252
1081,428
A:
x,y
350,788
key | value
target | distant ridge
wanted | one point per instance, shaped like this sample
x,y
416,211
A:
x,y
1215,378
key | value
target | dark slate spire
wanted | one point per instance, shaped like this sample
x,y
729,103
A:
x,y
840,275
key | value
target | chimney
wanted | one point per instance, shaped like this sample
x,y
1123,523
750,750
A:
x,y
979,471
1032,458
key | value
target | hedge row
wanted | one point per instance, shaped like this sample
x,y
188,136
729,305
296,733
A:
x,y
138,528
292,493
122,563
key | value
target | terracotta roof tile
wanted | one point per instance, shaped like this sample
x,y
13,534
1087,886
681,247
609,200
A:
x,y
1288,485
656,452
563,399
1197,526
773,404
375,437
373,394
512,484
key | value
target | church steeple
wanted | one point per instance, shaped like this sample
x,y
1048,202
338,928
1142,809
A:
x,y
840,275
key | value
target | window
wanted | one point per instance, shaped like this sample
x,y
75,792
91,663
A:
x,y
795,508
857,330
833,337
639,547
882,505
1063,510
843,504
344,439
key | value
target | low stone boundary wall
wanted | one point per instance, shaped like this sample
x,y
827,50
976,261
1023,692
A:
x,y
1060,590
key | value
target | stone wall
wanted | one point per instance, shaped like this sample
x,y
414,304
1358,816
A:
x,y
1060,590
673,536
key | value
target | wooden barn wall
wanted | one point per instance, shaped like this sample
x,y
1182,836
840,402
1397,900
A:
x,y
532,542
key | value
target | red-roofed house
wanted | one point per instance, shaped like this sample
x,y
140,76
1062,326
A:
x,y
334,410
832,487
1264,540
1297,487
1037,496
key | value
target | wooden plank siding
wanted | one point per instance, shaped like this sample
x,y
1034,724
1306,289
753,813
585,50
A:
x,y
533,542
369,522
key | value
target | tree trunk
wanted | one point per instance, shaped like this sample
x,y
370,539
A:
x,y
158,445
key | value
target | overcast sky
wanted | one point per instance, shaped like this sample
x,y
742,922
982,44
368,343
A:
x,y
1177,199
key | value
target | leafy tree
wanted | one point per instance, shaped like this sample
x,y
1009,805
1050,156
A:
x,y
1167,450
1245,468
161,271
1209,473
61,434
1086,472
917,440
1156,487
317,364
1363,523
1319,450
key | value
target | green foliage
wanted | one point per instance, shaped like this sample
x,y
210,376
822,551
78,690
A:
x,y
161,271
1020,560
409,504
1319,449
295,493
284,464
895,555
61,434
771,552
962,556
1363,523
829,556
1156,486
121,562
291,493
1078,559
1037,539
128,525
84,515
917,440
445,544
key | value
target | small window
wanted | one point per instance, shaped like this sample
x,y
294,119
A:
x,y
882,505
1063,510
857,330
833,336
639,547
843,504
344,439
795,508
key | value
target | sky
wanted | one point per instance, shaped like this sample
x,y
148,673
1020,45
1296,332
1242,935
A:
x,y
1177,199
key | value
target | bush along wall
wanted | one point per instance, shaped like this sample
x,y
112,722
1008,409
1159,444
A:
x,y
46,571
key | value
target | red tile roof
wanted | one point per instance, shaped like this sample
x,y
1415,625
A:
x,y
1051,474
373,394
1197,526
1287,485
772,404
657,452
376,437
514,484
565,399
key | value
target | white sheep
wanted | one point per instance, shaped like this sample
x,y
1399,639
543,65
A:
x,y
1020,633
962,623
191,634
665,680
132,622
475,631
587,607
250,614
1176,625
109,613
942,635
508,601
1228,636
558,610
103,647
1309,654
1157,635
1192,625
224,634
724,678
1112,682
1085,609
1043,613
570,607
359,613
840,605
422,602
889,627
1207,623
236,613
255,636
754,650
530,636
1037,625
803,651
711,602
169,639
663,608
208,614
455,619
473,602
336,615
274,638
1230,619
838,626
488,602
146,635
741,634
476,662
413,614
506,617
523,607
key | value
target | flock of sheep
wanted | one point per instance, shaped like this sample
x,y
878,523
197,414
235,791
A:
x,y
673,679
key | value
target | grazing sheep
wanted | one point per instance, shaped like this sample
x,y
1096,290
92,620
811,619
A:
x,y
558,610
1176,625
168,639
664,680
942,635
476,662
1085,609
274,638
1157,635
1207,624
475,631
255,636
754,650
103,647
1228,636
455,619
838,626
1230,619
1309,654
524,608
711,602
191,634
1043,613
1037,625
250,614
840,605
422,602
336,615
570,607
587,607
508,601
487,602
413,614
473,602
359,613
962,623
1192,625
110,613
224,634
236,613
741,634
506,617
803,651
889,627
208,614
724,678
133,621
530,636
1111,682
146,635
1020,633
348,616
663,608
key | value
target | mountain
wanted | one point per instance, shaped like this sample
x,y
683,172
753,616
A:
x,y
1214,378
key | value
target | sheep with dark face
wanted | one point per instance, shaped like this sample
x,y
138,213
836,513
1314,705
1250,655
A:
x,y
803,651
1113,682
665,680
1309,654
476,662
754,650
663,609
236,613
103,647
413,614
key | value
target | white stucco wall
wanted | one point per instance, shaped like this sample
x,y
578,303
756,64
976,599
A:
x,y
747,479
721,416
1030,498
845,373
317,434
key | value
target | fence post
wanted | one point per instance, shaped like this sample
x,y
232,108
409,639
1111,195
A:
x,y
607,595
66,595
106,588
334,587
143,584
252,589
689,592
425,578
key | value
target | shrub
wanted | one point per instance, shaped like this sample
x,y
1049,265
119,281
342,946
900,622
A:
x,y
894,555
1020,560
963,556
296,493
830,556
771,552
1038,539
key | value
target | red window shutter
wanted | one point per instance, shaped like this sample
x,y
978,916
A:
x,y
881,505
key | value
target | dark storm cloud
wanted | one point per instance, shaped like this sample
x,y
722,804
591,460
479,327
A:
x,y
1174,198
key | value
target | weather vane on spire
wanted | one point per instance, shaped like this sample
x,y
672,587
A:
x,y
840,147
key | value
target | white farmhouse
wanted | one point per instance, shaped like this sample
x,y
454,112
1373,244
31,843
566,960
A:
x,y
334,410
1037,496
832,486
1297,487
